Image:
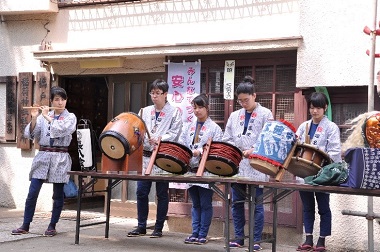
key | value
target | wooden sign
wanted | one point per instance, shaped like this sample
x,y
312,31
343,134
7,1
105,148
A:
x,y
24,94
42,89
11,108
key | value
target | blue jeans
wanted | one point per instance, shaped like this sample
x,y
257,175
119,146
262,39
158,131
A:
x,y
238,214
201,211
162,193
308,205
31,200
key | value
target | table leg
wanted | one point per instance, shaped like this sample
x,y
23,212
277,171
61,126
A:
x,y
251,208
79,208
108,207
227,189
274,232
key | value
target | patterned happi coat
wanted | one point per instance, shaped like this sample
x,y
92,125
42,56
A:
x,y
233,134
209,129
52,166
168,126
326,138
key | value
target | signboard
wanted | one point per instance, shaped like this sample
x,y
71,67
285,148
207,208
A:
x,y
229,77
184,85
24,90
11,108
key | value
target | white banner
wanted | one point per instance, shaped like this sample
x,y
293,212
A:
x,y
184,81
229,79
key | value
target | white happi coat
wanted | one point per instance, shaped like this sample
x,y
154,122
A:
x,y
326,137
52,166
168,126
233,134
209,129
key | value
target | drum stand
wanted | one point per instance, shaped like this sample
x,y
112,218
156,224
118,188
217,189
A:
x,y
206,150
130,163
284,167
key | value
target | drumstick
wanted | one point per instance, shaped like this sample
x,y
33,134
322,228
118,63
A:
x,y
153,157
307,137
146,129
39,108
202,163
285,165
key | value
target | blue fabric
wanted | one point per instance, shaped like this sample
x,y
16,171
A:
x,y
364,167
308,205
70,189
313,128
238,213
246,121
201,211
31,200
162,193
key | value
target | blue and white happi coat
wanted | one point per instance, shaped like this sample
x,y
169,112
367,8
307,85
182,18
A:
x,y
209,129
168,126
233,134
326,138
52,166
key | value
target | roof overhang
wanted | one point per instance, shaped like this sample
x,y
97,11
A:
x,y
240,46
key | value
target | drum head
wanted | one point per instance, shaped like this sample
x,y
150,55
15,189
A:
x,y
264,167
220,166
170,164
302,167
114,145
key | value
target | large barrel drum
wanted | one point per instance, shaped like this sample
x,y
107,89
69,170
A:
x,y
122,135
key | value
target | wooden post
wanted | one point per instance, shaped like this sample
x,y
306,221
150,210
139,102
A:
x,y
206,150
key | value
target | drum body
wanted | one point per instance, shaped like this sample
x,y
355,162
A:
x,y
273,146
122,135
223,159
307,160
173,157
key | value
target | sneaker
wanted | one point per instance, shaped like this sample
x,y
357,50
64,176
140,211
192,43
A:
x,y
139,231
257,247
19,231
202,241
156,234
191,240
236,244
50,232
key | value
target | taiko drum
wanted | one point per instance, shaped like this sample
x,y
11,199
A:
x,y
122,135
273,146
307,160
223,159
173,157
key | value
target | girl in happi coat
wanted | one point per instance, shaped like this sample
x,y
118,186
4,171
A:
x,y
194,136
242,130
325,136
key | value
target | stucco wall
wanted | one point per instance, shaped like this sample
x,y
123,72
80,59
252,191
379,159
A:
x,y
334,44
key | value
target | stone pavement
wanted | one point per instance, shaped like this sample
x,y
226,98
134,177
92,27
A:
x,y
92,237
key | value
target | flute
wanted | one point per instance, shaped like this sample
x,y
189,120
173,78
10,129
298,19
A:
x,y
39,108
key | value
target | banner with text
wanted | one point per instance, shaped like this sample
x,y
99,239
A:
x,y
184,84
229,79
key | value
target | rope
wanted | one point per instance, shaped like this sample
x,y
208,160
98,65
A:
x,y
173,150
221,150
